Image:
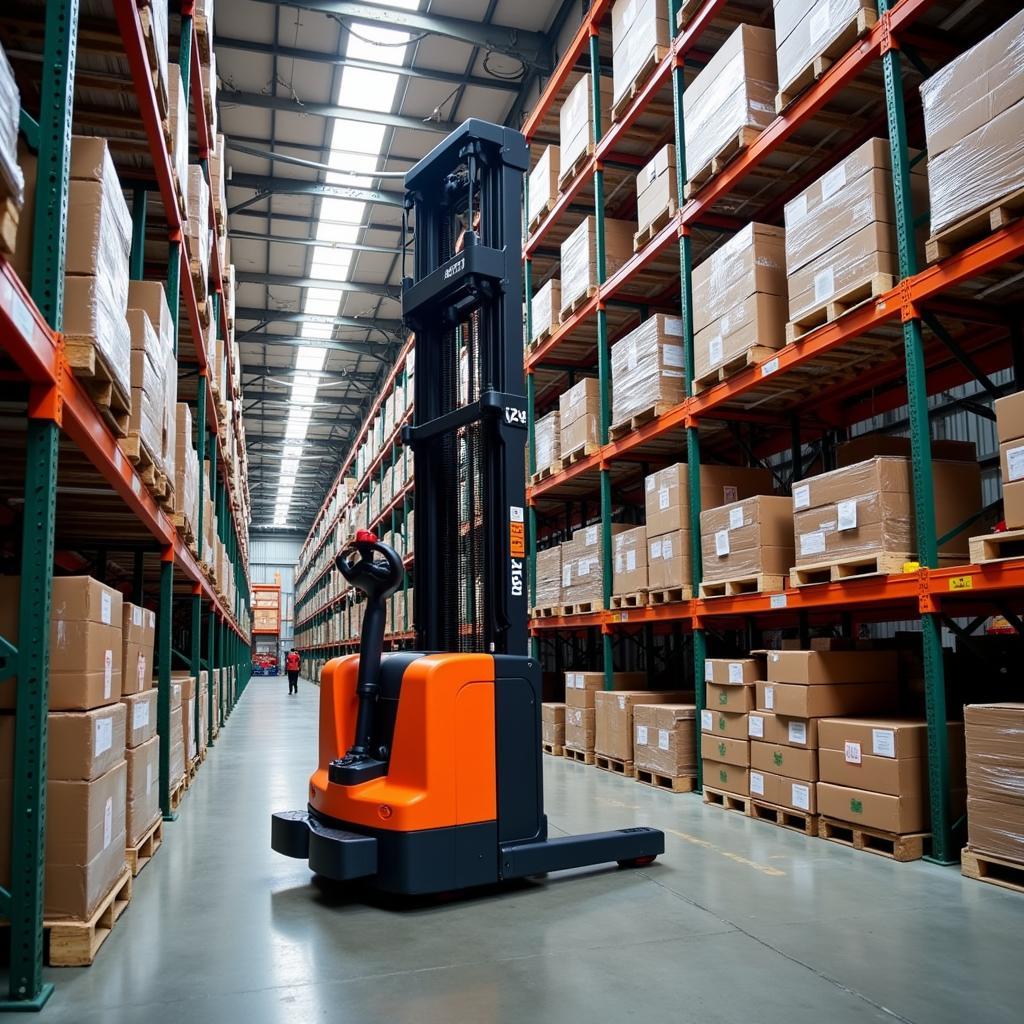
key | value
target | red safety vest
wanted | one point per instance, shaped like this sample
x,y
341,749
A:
x,y
291,663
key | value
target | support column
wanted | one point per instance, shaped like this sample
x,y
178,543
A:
x,y
165,621
211,662
137,256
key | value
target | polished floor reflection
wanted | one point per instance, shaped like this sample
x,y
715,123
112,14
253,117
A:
x,y
739,921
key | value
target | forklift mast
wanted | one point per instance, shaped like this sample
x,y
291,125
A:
x,y
464,304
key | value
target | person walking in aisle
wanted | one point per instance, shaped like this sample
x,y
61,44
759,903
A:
x,y
291,664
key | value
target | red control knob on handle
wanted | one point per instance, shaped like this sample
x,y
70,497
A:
x,y
366,537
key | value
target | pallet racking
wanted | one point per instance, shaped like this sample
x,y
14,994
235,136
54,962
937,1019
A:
x,y
81,494
873,359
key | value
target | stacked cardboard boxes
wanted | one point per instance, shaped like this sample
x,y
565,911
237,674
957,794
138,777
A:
x,y
874,772
739,300
579,410
1010,429
657,190
198,239
12,180
629,554
583,567
639,30
576,123
665,741
176,772
647,369
138,636
614,719
552,724
177,122
581,689
724,747
548,582
544,309
995,768
547,440
579,259
974,126
186,472
840,233
543,185
143,756
748,541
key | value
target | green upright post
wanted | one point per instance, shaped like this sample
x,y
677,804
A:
x,y
211,663
137,256
196,657
163,701
943,850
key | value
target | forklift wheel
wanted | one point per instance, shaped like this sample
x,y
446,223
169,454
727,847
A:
x,y
638,862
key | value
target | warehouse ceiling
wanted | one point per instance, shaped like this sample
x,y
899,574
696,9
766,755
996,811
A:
x,y
345,97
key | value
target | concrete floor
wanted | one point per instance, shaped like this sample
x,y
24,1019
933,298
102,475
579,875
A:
x,y
739,921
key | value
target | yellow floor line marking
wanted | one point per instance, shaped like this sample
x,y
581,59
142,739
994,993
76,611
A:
x,y
765,869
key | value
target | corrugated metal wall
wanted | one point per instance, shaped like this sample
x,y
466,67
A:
x,y
271,556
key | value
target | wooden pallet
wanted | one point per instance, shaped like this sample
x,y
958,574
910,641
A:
x,y
636,421
142,852
76,943
879,564
650,64
785,817
734,145
583,756
552,748
856,28
191,771
977,225
762,583
1008,874
153,57
532,226
896,847
9,216
178,793
198,278
646,235
727,801
545,332
543,474
753,355
141,458
997,547
547,611
566,174
849,298
581,451
90,367
670,595
672,783
581,608
614,765
637,599
567,311
687,9
184,527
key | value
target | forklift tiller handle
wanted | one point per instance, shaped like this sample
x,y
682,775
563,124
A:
x,y
377,580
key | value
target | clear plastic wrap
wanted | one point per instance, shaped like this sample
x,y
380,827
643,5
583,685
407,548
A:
x,y
544,309
148,389
11,178
208,74
638,27
177,119
747,538
583,565
656,187
89,313
664,739
217,179
996,827
579,257
546,440
647,367
578,410
186,469
666,497
543,184
805,30
170,422
198,233
994,736
629,561
735,90
154,24
575,120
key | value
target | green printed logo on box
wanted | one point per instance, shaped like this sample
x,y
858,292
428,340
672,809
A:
x,y
723,698
856,806
723,775
777,758
721,722
721,749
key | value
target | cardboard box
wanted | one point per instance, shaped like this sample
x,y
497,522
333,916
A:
x,y
868,446
580,687
1009,412
782,791
776,729
543,184
782,759
994,736
552,723
547,446
583,399
796,700
85,745
903,815
890,739
730,724
750,537
726,749
85,841
583,565
579,257
668,560
647,367
143,789
657,187
729,698
580,728
730,778
140,717
666,495
829,667
996,827
733,671
614,716
629,558
639,27
576,119
549,577
665,739
544,309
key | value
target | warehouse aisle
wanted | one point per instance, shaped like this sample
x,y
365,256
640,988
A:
x,y
739,920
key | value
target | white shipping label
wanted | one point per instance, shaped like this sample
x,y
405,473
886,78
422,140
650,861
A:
x,y
769,698
756,784
798,733
847,514
797,209
591,536
566,575
104,736
736,517
819,24
140,715
730,493
641,735
136,615
824,284
630,561
832,182
666,548
770,366
707,721
778,600
662,499
105,608
851,751
620,565
674,326
755,726
108,822
812,543
141,671
709,671
649,484
673,355
149,778
108,673
1015,462
583,567
883,742
664,737
655,549
716,350
801,796
735,672
622,703
721,543
802,496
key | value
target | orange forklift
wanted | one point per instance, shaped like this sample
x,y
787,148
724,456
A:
x,y
430,775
